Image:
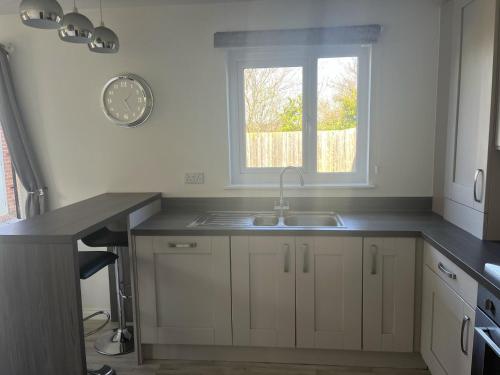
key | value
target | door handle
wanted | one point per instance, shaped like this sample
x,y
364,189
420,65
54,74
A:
x,y
465,348
305,261
447,272
374,251
479,172
286,258
182,245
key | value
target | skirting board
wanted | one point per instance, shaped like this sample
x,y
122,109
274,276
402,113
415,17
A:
x,y
284,355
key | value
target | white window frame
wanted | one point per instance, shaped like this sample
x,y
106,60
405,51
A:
x,y
305,57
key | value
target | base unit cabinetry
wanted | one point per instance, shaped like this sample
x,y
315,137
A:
x,y
184,290
303,292
329,290
263,291
447,321
388,294
311,292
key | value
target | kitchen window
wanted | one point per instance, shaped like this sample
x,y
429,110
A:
x,y
302,106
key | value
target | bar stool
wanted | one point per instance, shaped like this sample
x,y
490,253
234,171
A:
x,y
120,340
90,262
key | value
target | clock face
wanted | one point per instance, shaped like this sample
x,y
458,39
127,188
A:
x,y
127,100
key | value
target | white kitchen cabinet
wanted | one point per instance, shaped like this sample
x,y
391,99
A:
x,y
472,102
263,291
447,328
329,292
473,48
184,290
388,294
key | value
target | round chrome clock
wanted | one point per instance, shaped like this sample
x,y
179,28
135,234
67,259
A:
x,y
127,100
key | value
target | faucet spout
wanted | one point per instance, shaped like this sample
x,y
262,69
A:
x,y
282,206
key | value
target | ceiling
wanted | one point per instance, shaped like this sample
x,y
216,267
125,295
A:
x,y
12,6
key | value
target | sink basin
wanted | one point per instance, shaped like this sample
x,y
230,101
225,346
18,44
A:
x,y
265,220
297,219
313,220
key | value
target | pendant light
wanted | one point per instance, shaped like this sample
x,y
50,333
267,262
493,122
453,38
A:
x,y
76,28
105,40
42,14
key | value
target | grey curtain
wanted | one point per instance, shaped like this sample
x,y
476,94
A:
x,y
20,147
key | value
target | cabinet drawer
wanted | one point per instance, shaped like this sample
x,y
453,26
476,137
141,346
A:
x,y
451,274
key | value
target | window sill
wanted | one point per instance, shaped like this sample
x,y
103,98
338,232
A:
x,y
298,187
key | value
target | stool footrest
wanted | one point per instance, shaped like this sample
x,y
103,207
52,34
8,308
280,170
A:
x,y
108,318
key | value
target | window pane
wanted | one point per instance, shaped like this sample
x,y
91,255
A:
x,y
337,114
273,117
8,199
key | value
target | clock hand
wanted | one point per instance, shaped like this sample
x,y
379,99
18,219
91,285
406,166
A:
x,y
127,105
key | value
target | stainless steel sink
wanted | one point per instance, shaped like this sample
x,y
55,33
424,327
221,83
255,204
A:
x,y
313,219
265,220
297,219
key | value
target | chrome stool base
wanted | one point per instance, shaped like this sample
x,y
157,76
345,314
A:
x,y
116,342
104,370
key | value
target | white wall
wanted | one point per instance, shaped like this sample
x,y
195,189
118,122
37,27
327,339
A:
x,y
171,46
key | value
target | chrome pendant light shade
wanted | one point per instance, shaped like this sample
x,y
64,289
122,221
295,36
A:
x,y
42,14
105,39
76,28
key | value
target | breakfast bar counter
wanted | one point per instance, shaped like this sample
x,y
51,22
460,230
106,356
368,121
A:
x,y
41,310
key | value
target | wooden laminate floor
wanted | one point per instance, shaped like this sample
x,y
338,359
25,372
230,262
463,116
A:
x,y
126,365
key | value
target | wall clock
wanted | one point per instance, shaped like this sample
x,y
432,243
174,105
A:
x,y
127,100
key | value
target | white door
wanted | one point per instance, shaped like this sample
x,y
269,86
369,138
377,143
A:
x,y
184,290
329,290
470,107
263,291
447,328
388,294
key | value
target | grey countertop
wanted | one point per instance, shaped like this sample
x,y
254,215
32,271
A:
x,y
468,252
76,220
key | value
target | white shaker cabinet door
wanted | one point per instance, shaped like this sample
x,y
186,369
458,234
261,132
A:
x,y
263,291
470,106
329,292
447,328
388,294
184,290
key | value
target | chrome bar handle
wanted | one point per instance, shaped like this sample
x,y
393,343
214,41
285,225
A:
x,y
447,272
374,251
286,265
182,245
465,349
305,264
476,178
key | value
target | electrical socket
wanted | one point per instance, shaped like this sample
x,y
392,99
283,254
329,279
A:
x,y
197,178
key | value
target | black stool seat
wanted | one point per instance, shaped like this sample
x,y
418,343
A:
x,y
106,238
94,261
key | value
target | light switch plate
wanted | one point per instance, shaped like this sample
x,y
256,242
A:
x,y
196,178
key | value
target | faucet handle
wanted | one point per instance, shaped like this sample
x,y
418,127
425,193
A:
x,y
283,205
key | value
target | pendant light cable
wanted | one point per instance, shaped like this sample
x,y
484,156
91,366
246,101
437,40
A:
x,y
100,9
